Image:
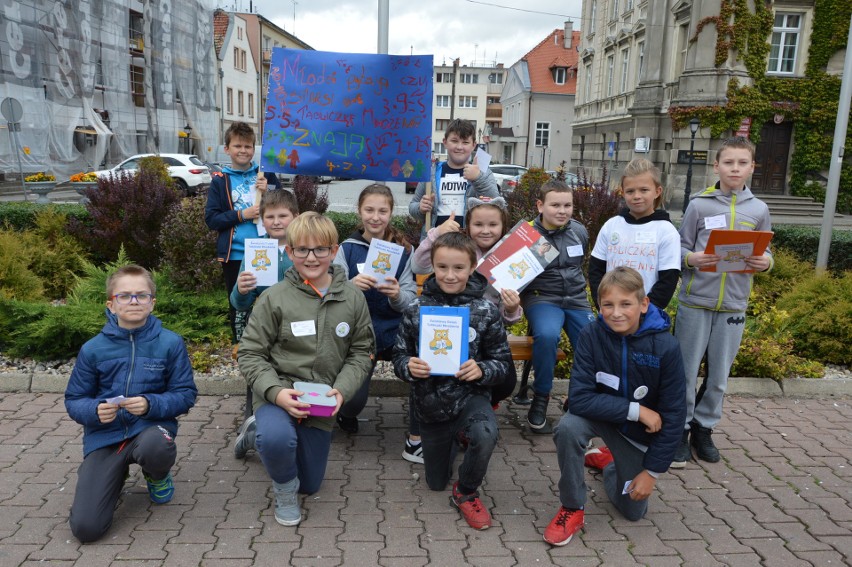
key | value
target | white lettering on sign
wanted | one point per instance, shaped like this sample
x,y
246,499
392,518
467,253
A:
x,y
21,63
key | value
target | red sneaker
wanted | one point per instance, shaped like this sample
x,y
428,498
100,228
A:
x,y
471,508
598,458
563,526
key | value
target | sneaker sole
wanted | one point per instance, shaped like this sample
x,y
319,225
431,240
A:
x,y
243,430
543,428
411,458
678,465
560,543
288,522
478,528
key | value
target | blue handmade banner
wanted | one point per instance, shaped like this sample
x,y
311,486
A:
x,y
349,115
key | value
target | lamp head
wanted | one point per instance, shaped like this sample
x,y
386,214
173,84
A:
x,y
694,124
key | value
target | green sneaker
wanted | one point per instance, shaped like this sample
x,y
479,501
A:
x,y
160,491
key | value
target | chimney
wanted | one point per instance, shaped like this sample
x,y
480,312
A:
x,y
569,34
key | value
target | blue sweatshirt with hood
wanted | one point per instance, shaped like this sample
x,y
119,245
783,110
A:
x,y
613,375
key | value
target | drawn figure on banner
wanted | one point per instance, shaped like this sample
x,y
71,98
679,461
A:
x,y
261,260
382,264
407,168
294,159
396,169
441,343
519,269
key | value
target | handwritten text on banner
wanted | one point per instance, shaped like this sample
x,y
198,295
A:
x,y
349,115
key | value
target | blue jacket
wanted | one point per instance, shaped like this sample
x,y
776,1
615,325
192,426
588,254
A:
x,y
651,358
219,213
384,313
149,361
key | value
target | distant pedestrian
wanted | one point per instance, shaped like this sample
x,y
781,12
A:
x,y
128,386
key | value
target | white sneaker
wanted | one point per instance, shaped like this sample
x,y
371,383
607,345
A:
x,y
413,453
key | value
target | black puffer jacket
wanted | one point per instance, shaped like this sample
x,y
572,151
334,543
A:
x,y
442,398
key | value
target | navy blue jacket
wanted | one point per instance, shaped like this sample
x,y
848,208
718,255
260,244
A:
x,y
219,213
650,357
384,313
149,361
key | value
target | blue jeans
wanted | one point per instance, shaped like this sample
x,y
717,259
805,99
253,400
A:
x,y
289,449
546,324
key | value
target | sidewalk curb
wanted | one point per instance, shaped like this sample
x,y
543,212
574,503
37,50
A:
x,y
210,385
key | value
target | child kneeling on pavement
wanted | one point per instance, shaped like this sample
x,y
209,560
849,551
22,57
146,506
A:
x,y
627,387
456,410
312,326
129,384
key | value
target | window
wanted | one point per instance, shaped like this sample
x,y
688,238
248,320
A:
x,y
469,78
229,101
593,15
613,10
439,149
610,64
683,46
441,124
628,5
542,133
495,78
251,105
239,33
559,75
243,65
137,85
641,47
240,106
493,100
239,59
467,102
625,55
443,77
785,43
587,88
136,31
442,101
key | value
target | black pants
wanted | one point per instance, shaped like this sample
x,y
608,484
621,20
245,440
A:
x,y
231,271
101,477
476,426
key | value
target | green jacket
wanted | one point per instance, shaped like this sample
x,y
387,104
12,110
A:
x,y
339,353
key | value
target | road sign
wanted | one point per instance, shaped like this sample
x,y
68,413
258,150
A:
x,y
610,152
11,109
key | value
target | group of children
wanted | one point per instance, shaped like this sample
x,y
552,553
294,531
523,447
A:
x,y
633,383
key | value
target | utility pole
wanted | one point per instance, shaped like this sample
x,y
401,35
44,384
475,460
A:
x,y
384,17
453,91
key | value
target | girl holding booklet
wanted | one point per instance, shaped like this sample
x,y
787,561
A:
x,y
385,300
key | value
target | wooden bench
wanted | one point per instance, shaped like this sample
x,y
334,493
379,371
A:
x,y
521,348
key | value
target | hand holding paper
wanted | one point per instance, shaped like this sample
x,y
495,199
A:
x,y
261,184
419,368
261,259
107,412
469,371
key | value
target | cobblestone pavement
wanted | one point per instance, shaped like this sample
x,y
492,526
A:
x,y
780,497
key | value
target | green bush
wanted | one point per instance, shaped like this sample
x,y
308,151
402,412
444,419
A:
x,y
788,270
17,280
804,242
189,247
55,256
820,309
20,215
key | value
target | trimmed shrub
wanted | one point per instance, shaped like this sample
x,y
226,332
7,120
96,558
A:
x,y
129,210
820,309
803,241
54,255
17,280
189,247
522,201
20,215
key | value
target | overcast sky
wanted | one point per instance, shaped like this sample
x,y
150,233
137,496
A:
x,y
477,32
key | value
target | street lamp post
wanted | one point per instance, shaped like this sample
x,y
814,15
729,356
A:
x,y
188,145
694,124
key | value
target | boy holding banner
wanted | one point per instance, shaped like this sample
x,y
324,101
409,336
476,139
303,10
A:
x,y
455,180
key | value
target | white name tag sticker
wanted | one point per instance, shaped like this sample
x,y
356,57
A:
x,y
576,250
303,328
646,237
607,380
717,221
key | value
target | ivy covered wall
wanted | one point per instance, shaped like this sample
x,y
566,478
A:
x,y
809,101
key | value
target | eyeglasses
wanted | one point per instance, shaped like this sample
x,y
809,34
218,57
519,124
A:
x,y
319,252
126,298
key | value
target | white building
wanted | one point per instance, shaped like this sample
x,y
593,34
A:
x,y
239,85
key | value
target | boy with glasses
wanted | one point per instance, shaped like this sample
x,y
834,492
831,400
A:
x,y
313,326
127,388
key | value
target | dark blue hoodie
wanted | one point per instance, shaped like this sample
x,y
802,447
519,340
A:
x,y
651,358
149,361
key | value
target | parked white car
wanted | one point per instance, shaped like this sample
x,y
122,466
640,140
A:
x,y
187,170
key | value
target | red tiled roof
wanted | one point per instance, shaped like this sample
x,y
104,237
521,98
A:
x,y
221,20
552,53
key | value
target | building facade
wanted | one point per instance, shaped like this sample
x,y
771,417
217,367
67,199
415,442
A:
x,y
239,79
468,92
646,67
538,104
102,80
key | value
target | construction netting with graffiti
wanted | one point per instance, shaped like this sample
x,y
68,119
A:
x,y
100,80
